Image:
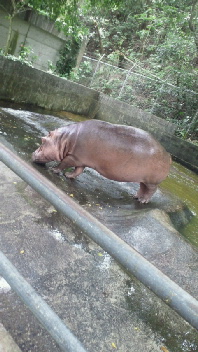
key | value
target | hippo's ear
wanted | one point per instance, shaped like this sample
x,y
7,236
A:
x,y
51,133
43,139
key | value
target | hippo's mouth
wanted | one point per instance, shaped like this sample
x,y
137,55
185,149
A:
x,y
37,160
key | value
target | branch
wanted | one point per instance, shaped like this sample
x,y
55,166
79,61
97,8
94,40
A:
x,y
22,7
15,9
4,8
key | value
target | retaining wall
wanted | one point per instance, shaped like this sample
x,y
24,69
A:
x,y
116,111
23,84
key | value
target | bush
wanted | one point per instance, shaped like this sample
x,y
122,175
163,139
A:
x,y
67,58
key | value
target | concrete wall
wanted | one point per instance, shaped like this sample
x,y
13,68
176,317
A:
x,y
34,31
183,151
116,111
24,84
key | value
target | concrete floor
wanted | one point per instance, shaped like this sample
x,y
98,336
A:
x,y
96,299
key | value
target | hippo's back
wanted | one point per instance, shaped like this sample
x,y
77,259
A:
x,y
120,152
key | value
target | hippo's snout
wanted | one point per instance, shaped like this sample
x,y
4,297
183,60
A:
x,y
33,157
36,159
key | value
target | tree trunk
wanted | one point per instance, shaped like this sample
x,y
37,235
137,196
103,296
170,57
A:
x,y
12,12
193,125
81,52
101,48
193,27
9,36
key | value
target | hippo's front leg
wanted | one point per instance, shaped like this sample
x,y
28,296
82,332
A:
x,y
66,163
78,170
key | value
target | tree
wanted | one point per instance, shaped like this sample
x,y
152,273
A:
x,y
12,8
68,13
193,21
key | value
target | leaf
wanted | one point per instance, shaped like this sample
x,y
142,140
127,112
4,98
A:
x,y
22,251
113,345
164,349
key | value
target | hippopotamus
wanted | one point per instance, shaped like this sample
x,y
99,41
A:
x,y
118,152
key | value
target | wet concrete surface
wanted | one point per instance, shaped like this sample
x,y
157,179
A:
x,y
104,307
7,344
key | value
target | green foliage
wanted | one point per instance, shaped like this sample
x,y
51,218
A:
x,y
83,75
67,58
161,37
156,39
27,55
51,67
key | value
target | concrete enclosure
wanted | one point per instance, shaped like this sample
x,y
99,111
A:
x,y
23,84
36,32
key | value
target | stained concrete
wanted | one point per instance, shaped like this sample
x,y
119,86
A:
x,y
7,343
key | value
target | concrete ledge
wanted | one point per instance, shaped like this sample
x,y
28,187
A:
x,y
42,22
183,151
116,111
7,343
25,84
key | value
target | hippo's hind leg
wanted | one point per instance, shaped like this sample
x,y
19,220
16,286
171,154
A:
x,y
145,192
77,171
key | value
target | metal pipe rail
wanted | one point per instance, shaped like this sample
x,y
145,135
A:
x,y
172,294
47,317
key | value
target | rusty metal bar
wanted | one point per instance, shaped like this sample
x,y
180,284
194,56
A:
x,y
172,294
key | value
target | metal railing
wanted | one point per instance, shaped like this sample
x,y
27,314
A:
x,y
47,317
